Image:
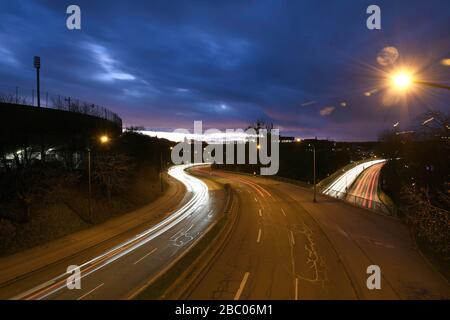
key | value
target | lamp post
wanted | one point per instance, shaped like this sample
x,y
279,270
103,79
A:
x,y
314,172
432,84
37,65
103,140
161,171
89,182
403,80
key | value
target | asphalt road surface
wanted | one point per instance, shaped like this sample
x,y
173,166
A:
x,y
341,185
284,246
122,270
364,192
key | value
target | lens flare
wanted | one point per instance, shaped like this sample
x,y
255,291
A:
x,y
402,80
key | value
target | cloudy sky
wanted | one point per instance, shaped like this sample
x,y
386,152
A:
x,y
310,67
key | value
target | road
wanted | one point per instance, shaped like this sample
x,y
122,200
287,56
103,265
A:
x,y
121,271
364,192
284,246
340,186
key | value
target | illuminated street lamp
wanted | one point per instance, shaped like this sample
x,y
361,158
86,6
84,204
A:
x,y
403,80
103,140
314,171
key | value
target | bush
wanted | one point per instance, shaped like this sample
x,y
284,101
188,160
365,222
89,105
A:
x,y
429,224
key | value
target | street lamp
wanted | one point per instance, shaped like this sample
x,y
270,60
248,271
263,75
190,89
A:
x,y
103,140
314,171
403,80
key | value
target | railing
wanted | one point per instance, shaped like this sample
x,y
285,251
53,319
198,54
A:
x,y
374,205
28,97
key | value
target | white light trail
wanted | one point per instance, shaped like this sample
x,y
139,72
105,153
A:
x,y
339,187
200,198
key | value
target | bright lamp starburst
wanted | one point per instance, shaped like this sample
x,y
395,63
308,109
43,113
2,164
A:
x,y
402,80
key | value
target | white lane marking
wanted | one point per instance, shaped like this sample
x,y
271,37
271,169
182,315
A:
x,y
241,286
193,185
292,239
260,213
342,232
210,213
145,256
88,293
259,236
296,288
284,213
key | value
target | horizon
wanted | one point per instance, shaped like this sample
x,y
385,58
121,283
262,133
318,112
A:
x,y
231,63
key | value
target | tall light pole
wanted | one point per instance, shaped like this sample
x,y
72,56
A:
x,y
314,172
161,171
89,182
104,139
37,65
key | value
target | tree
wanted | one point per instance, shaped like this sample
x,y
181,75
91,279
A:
x,y
111,172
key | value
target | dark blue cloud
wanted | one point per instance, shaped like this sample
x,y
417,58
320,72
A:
x,y
163,64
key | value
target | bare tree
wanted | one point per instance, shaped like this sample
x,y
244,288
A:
x,y
111,171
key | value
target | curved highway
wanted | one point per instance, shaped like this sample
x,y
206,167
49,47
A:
x,y
119,272
340,186
364,192
284,246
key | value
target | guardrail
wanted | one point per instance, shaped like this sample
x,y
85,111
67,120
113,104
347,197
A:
x,y
28,97
374,205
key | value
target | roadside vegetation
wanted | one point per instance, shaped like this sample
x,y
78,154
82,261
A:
x,y
296,157
44,200
418,180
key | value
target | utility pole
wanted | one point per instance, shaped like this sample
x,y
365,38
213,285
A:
x,y
37,65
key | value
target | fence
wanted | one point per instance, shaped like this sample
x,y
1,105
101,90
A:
x,y
28,97
374,205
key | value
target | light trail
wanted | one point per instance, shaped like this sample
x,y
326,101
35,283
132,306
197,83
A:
x,y
339,187
200,198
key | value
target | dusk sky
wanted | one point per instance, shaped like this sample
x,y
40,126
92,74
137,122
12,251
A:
x,y
303,65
